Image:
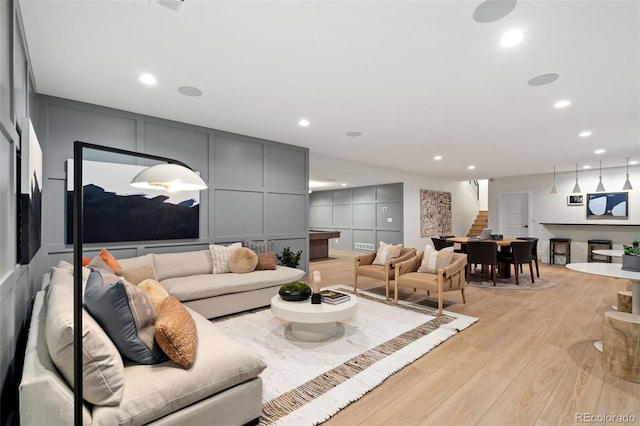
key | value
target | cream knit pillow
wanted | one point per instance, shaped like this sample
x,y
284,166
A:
x,y
220,255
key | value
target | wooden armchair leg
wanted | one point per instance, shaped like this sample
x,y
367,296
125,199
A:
x,y
537,269
463,298
387,288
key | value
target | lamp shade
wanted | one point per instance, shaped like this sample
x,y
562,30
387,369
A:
x,y
171,177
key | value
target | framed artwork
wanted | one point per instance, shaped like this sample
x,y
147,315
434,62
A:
x,y
30,197
575,200
608,205
115,211
435,213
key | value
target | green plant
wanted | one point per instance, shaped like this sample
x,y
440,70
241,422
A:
x,y
295,286
289,258
632,250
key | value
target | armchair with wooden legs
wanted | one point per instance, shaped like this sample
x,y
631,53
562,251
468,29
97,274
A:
x,y
363,265
448,278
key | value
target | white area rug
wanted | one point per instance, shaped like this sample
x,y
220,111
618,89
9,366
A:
x,y
305,383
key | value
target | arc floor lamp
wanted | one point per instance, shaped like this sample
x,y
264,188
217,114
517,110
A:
x,y
170,174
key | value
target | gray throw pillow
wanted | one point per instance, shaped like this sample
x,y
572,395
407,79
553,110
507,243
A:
x,y
259,247
126,314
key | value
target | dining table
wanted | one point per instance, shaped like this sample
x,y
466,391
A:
x,y
504,245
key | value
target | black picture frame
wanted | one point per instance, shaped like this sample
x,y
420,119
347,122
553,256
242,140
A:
x,y
575,200
607,205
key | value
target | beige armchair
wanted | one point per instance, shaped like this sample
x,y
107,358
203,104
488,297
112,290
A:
x,y
449,278
363,265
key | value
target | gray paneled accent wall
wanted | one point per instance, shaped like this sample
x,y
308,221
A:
x,y
18,283
364,216
258,189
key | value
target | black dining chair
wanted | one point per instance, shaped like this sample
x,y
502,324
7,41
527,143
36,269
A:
x,y
521,253
440,243
482,253
534,253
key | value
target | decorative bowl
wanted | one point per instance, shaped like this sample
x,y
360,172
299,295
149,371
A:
x,y
294,295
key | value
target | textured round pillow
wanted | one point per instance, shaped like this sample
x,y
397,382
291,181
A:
x,y
243,260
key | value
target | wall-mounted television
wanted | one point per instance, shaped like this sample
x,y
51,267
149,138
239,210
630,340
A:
x,y
608,205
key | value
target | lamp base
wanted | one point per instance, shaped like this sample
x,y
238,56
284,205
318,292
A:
x,y
316,299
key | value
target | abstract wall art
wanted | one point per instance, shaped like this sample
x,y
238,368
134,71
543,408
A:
x,y
435,213
30,201
608,205
115,211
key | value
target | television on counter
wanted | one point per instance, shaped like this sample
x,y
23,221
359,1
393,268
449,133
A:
x,y
608,205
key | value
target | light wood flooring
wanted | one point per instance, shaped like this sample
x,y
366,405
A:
x,y
530,359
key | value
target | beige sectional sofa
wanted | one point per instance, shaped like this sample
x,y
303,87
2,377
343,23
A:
x,y
188,276
223,387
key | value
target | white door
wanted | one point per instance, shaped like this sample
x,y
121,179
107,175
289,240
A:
x,y
514,214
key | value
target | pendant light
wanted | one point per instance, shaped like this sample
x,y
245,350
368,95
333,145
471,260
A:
x,y
554,190
627,183
576,188
600,187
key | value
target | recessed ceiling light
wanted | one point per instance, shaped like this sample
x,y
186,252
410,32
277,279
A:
x,y
585,134
511,38
147,79
354,134
343,184
303,123
190,91
438,157
543,79
633,162
562,104
599,151
492,10
586,166
471,167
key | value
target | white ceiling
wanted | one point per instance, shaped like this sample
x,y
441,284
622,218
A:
x,y
416,78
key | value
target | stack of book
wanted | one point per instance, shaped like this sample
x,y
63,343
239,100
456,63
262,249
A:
x,y
333,297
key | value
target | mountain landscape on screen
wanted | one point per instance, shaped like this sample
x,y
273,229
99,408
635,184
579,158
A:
x,y
111,217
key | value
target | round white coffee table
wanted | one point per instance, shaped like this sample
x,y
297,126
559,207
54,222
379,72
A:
x,y
313,322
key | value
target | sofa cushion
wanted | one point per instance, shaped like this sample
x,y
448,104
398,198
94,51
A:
x,y
102,366
137,274
266,261
243,260
173,265
132,262
204,286
126,314
109,259
155,292
108,276
222,363
220,256
176,332
432,260
386,252
259,246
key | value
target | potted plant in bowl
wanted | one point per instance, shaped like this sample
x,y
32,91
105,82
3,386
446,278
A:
x,y
631,257
295,291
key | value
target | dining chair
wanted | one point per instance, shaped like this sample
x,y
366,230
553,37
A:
x,y
534,252
482,253
521,253
440,243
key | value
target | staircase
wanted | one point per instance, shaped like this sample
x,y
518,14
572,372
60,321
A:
x,y
481,222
